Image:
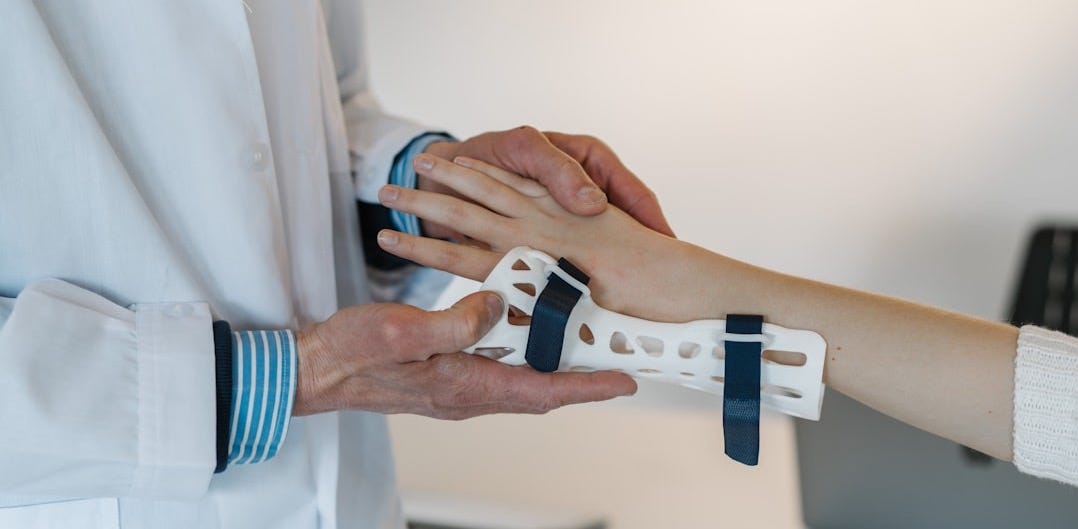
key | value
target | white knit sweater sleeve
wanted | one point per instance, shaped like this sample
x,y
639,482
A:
x,y
1046,404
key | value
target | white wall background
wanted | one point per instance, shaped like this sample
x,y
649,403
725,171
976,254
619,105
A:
x,y
901,147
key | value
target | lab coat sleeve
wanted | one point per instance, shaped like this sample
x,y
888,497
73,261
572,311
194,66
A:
x,y
97,400
374,137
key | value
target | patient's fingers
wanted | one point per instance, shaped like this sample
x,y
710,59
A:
x,y
527,186
486,191
467,218
458,259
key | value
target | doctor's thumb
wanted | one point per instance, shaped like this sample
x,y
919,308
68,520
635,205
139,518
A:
x,y
465,323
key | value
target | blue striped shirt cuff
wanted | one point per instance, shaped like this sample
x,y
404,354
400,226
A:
x,y
403,174
263,391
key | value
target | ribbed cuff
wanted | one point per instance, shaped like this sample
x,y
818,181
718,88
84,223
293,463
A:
x,y
1046,404
264,382
222,348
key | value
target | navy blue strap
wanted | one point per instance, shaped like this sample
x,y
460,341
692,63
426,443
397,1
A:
x,y
547,331
741,393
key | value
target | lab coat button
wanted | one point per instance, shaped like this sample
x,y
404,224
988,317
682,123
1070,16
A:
x,y
259,157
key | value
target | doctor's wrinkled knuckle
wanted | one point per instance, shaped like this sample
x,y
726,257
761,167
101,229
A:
x,y
523,138
443,404
455,386
570,171
536,399
447,369
395,327
645,196
551,402
590,140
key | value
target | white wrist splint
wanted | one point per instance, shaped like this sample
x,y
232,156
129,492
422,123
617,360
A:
x,y
687,354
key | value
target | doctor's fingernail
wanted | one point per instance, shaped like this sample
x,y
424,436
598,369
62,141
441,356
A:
x,y
591,195
495,306
388,238
389,193
424,162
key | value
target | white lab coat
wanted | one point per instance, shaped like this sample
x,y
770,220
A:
x,y
140,198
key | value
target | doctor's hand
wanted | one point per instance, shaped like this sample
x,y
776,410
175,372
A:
x,y
392,358
575,169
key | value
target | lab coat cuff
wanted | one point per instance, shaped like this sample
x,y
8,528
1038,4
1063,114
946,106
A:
x,y
263,393
176,405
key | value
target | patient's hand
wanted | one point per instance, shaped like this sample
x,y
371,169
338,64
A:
x,y
635,270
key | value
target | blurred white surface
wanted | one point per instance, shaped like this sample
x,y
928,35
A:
x,y
905,148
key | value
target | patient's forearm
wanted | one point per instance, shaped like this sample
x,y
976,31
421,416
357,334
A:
x,y
946,373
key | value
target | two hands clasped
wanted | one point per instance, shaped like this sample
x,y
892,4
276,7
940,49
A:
x,y
943,372
394,358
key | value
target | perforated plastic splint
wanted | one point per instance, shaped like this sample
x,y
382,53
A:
x,y
687,354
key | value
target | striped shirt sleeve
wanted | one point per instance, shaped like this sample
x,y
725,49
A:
x,y
402,174
263,391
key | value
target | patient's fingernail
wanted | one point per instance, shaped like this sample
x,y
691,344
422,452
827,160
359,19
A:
x,y
424,162
389,193
388,238
591,195
462,161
